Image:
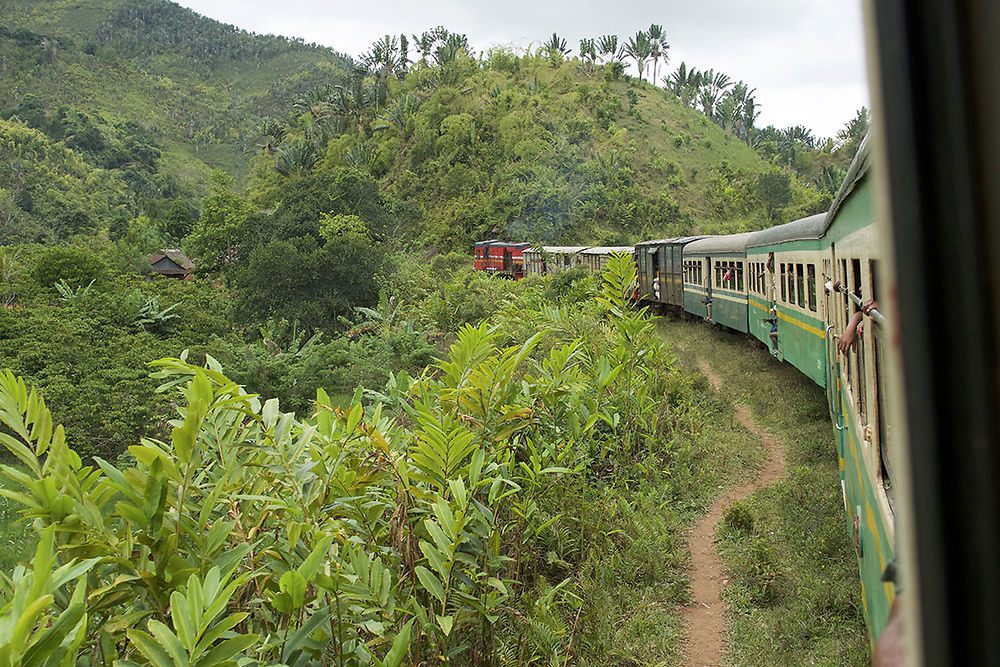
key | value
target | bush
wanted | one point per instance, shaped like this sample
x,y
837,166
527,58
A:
x,y
76,265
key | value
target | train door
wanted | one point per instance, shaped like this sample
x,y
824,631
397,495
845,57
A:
x,y
675,286
656,271
508,261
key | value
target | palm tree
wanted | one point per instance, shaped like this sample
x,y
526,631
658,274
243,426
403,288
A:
x,y
450,47
639,49
271,134
732,107
588,53
853,132
424,44
750,113
712,86
658,46
684,84
397,113
608,47
296,157
383,60
555,48
791,141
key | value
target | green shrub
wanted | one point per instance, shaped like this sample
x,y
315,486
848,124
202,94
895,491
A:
x,y
76,265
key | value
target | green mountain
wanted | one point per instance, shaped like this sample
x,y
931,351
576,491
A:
x,y
146,90
533,148
149,97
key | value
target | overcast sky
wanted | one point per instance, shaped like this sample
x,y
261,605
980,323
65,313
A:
x,y
804,57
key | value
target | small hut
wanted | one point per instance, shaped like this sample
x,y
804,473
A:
x,y
173,263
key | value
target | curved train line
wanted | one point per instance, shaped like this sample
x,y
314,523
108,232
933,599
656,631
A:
x,y
805,281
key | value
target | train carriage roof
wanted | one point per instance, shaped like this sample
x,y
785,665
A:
x,y
855,173
607,250
731,243
804,229
560,249
679,240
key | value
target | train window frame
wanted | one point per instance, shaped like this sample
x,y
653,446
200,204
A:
x,y
790,279
800,287
784,292
844,313
811,287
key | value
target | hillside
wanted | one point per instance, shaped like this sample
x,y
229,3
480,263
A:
x,y
149,90
528,145
523,146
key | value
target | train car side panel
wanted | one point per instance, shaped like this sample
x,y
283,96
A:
x,y
855,389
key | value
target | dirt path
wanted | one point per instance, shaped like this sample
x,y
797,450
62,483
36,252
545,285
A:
x,y
705,618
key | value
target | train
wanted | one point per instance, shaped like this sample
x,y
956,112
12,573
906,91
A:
x,y
799,288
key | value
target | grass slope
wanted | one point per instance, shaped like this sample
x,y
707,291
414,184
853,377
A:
x,y
198,86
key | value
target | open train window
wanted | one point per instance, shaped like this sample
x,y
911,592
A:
x,y
739,276
827,275
844,301
811,286
800,287
790,280
784,294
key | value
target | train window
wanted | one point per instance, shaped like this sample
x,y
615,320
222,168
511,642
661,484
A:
x,y
844,301
826,295
739,276
811,285
784,296
856,281
800,287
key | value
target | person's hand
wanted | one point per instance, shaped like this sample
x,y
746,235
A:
x,y
890,650
869,306
851,332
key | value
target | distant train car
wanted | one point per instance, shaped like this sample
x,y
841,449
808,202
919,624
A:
x,y
661,271
502,258
595,258
547,259
714,279
783,285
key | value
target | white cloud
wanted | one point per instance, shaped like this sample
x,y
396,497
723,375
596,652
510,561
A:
x,y
806,59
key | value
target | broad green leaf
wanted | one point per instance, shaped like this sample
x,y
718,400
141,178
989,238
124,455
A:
x,y
430,582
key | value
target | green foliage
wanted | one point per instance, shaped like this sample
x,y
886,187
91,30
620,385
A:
x,y
48,192
299,279
144,312
73,266
71,296
218,231
414,525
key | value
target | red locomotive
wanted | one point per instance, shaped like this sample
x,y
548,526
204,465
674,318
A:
x,y
502,258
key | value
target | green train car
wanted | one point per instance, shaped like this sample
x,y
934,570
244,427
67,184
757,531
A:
x,y
800,288
714,279
783,297
856,384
